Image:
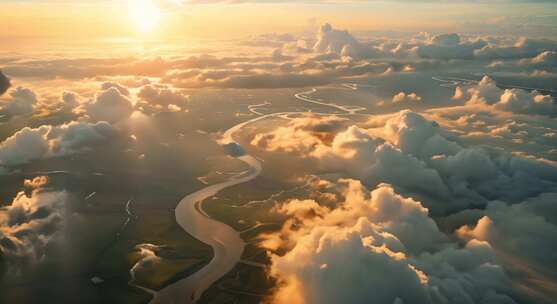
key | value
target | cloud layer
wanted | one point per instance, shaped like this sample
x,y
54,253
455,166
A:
x,y
30,144
378,245
408,151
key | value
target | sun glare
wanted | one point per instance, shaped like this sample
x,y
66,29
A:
x,y
145,14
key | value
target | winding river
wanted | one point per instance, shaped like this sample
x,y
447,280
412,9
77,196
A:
x,y
226,242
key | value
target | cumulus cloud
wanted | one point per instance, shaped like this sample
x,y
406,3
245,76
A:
x,y
414,154
70,99
30,144
468,47
379,232
372,230
519,101
403,97
332,40
30,223
525,237
449,46
341,42
301,135
355,150
522,48
525,230
22,102
109,105
162,95
510,100
486,91
123,90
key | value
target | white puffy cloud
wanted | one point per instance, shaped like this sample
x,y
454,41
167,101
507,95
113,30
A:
x,y
473,175
510,100
448,46
123,90
342,254
401,99
486,91
332,40
354,150
518,230
519,101
319,236
29,224
414,154
297,136
522,48
416,135
22,102
162,95
404,97
341,42
525,238
109,105
70,99
30,144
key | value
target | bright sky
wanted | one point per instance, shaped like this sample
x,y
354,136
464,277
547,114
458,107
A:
x,y
72,20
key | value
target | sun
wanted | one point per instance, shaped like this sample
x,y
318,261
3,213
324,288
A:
x,y
145,14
